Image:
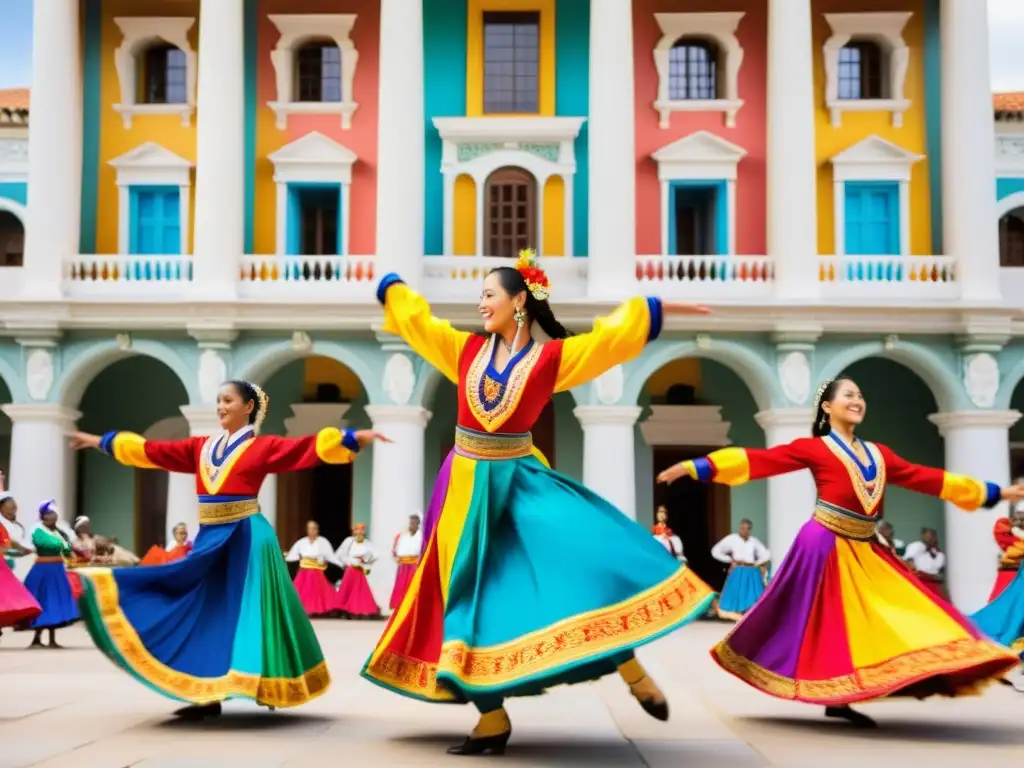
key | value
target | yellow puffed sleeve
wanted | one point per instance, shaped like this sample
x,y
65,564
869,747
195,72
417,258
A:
x,y
129,449
617,338
967,492
407,314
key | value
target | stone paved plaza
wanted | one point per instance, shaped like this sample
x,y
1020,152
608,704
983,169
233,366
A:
x,y
72,709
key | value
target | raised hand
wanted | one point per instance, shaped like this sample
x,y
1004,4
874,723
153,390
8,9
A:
x,y
673,473
80,440
1013,493
678,308
367,437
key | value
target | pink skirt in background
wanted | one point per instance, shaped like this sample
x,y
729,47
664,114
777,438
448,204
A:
x,y
315,591
354,597
406,570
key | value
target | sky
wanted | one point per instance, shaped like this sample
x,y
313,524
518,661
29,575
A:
x,y
1006,22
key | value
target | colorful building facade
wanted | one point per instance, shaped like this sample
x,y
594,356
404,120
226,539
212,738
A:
x,y
212,189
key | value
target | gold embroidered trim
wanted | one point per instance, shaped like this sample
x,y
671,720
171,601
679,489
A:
x,y
877,680
869,494
845,523
570,641
506,396
49,559
214,477
221,512
312,565
487,447
408,560
273,691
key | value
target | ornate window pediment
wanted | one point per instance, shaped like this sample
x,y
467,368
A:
x,y
178,79
151,166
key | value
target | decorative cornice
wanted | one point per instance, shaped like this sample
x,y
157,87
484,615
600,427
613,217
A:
x,y
213,337
785,417
623,415
398,414
954,420
51,413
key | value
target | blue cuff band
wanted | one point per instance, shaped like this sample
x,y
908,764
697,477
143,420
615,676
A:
x,y
107,443
994,495
386,282
349,440
657,316
705,470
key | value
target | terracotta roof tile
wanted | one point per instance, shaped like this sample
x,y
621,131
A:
x,y
14,99
1008,102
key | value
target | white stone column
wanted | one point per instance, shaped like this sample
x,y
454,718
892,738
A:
x,y
397,485
220,165
792,171
54,149
42,464
969,230
791,497
268,499
609,461
181,490
977,444
401,134
611,262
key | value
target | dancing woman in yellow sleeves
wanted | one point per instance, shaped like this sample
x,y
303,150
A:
x,y
512,595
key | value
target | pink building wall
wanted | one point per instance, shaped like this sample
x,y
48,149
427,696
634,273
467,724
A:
x,y
749,132
361,138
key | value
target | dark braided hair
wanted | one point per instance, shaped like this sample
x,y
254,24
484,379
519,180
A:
x,y
821,425
513,283
248,394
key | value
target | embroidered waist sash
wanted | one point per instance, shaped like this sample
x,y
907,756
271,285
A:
x,y
845,522
220,512
408,560
49,559
484,446
311,564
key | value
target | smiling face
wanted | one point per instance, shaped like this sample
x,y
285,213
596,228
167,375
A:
x,y
180,534
9,509
232,409
661,515
497,307
414,523
312,530
847,405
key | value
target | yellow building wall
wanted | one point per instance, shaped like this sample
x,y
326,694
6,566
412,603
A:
x,y
554,217
683,371
475,52
324,370
115,139
859,125
464,239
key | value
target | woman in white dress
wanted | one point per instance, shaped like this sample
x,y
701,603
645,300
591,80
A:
x,y
354,598
313,553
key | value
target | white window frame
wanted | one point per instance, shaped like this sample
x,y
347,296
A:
x,y
872,159
701,156
295,30
312,158
139,33
720,27
151,165
503,142
884,29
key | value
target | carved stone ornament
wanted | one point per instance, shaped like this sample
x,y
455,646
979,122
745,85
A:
x,y
981,379
301,342
399,379
213,371
39,373
124,341
610,385
795,377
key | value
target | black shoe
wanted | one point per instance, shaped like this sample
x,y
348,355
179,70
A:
x,y
494,745
199,711
656,709
851,716
1004,681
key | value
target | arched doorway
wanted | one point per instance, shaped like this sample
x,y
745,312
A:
x,y
1016,446
899,403
510,212
307,395
693,406
132,394
12,240
1011,238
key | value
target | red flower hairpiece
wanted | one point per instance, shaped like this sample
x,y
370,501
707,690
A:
x,y
536,278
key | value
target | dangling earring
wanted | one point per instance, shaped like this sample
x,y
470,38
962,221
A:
x,y
519,317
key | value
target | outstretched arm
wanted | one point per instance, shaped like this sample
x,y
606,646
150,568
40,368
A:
x,y
328,446
407,314
966,492
133,450
736,466
616,338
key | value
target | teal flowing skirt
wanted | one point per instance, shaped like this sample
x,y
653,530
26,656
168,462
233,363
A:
x,y
527,580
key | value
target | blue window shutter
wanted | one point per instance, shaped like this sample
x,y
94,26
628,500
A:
x,y
872,218
293,224
155,223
